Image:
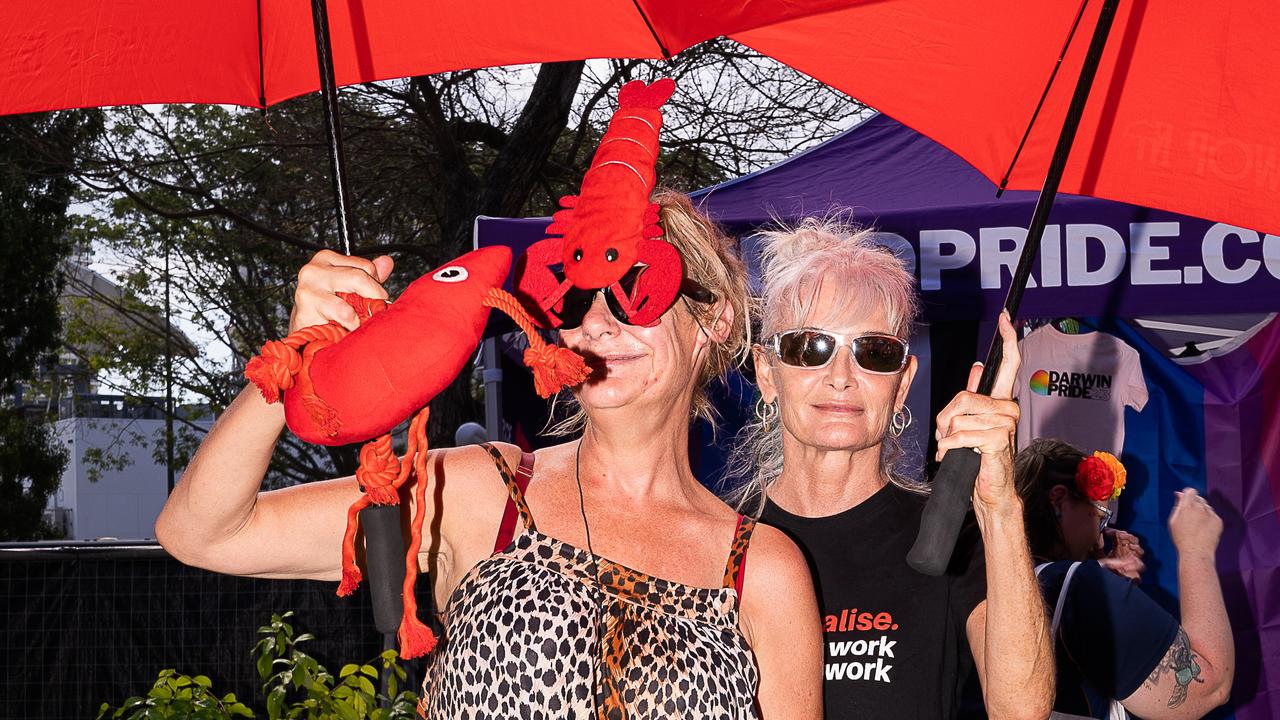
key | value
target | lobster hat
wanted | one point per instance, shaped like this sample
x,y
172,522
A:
x,y
610,226
341,387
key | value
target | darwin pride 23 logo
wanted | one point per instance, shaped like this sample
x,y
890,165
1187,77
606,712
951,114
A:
x,y
1085,386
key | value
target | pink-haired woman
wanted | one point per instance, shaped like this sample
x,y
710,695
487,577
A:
x,y
834,369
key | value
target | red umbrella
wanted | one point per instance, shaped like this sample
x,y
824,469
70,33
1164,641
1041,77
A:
x,y
1183,117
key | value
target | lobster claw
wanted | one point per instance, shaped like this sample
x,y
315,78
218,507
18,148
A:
x,y
537,286
657,286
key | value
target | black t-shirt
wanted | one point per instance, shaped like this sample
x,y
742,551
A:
x,y
895,643
1111,636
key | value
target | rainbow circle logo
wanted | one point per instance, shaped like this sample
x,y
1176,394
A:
x,y
1040,382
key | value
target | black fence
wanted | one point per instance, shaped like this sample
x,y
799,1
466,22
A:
x,y
85,623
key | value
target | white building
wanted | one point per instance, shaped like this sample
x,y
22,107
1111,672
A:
x,y
119,499
113,486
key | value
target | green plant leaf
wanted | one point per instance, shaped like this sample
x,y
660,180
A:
x,y
369,670
348,669
346,712
203,681
275,703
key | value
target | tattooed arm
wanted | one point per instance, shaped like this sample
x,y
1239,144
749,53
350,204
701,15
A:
x,y
1195,674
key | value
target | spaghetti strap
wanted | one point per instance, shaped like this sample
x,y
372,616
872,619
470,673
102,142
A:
x,y
516,507
735,569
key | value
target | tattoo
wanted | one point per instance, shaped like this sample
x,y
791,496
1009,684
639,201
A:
x,y
1180,661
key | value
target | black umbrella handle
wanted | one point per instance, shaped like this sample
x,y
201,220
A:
x,y
953,485
384,558
332,123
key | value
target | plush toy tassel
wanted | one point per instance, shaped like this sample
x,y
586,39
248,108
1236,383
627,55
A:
x,y
351,575
365,307
379,469
279,367
273,369
416,639
553,367
277,364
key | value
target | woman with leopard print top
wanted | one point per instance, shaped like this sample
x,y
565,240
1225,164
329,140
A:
x,y
630,597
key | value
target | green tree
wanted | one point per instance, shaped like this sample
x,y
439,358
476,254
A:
x,y
37,153
31,465
238,200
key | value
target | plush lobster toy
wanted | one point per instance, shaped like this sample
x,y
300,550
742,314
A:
x,y
342,387
609,231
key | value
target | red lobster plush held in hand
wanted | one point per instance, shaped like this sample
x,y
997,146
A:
x,y
342,387
610,228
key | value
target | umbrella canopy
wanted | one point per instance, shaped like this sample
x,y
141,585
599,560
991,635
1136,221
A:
x,y
1182,116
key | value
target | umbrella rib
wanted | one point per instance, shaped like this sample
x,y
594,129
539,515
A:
x,y
262,72
1043,95
661,47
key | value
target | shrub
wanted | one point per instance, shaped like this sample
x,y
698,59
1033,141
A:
x,y
295,685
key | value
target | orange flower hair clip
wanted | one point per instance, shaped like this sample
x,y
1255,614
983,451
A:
x,y
1101,477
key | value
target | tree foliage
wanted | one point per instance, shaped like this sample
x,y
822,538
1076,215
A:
x,y
238,200
37,153
31,465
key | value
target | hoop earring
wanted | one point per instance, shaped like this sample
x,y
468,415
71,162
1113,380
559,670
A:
x,y
766,412
900,421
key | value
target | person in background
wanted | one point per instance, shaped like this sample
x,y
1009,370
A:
x,y
620,586
1117,650
833,369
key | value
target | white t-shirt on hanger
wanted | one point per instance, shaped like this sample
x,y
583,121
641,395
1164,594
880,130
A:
x,y
1075,388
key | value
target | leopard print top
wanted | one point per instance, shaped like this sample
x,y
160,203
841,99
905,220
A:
x,y
530,633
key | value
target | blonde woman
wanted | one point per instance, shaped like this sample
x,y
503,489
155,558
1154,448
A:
x,y
622,585
834,369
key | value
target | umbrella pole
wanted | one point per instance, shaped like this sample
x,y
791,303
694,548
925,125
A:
x,y
332,122
953,485
380,524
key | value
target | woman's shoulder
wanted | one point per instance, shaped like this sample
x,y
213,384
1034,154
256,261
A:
x,y
777,591
1095,591
776,563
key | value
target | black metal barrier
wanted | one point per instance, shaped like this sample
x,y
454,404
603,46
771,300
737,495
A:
x,y
85,623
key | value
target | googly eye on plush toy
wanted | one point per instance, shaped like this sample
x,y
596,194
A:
x,y
450,274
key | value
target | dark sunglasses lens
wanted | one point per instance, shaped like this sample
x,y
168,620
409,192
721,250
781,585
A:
x,y
615,307
806,348
576,303
879,354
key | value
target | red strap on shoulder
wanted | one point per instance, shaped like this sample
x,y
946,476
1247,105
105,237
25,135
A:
x,y
507,528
